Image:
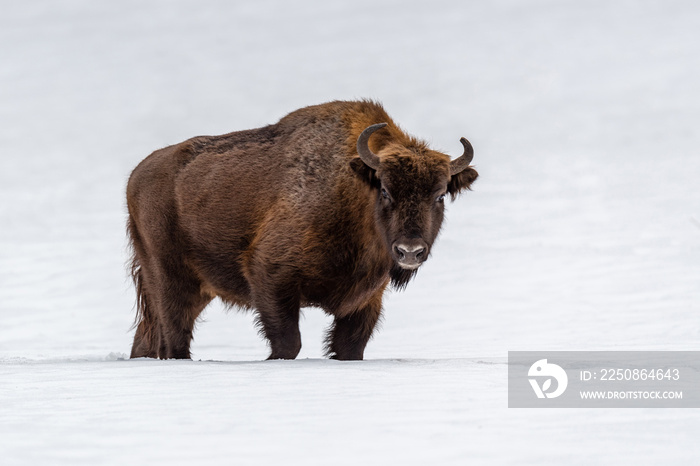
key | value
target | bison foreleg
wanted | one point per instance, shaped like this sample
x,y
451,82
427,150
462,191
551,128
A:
x,y
279,323
347,338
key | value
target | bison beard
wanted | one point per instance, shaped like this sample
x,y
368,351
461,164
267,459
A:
x,y
324,208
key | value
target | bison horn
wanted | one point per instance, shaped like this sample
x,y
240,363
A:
x,y
368,157
462,162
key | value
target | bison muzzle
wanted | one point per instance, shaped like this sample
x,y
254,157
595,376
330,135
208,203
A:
x,y
325,208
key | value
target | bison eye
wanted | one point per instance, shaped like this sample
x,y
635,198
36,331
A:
x,y
441,198
385,194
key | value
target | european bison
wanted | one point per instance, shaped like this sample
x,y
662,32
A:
x,y
324,208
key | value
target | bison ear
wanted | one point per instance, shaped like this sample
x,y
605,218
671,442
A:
x,y
366,173
461,180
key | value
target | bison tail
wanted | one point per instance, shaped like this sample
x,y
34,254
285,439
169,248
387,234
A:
x,y
143,313
145,322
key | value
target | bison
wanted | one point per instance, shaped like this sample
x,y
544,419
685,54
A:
x,y
325,208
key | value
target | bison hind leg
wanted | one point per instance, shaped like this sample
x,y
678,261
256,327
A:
x,y
165,331
148,341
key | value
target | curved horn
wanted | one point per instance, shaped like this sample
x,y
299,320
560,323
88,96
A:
x,y
367,156
462,162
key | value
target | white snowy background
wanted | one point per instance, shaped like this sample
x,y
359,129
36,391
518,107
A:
x,y
582,233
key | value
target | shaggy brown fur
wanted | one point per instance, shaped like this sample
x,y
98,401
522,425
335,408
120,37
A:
x,y
281,217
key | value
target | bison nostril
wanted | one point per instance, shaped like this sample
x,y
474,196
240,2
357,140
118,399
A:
x,y
409,253
401,252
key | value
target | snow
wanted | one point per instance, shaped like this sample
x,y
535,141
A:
x,y
582,233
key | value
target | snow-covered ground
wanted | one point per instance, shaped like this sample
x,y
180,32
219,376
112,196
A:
x,y
582,233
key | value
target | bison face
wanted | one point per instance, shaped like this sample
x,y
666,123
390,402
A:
x,y
411,183
409,207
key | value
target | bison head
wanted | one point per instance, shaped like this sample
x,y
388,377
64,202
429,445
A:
x,y
411,182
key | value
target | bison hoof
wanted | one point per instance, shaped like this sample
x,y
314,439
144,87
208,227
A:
x,y
347,357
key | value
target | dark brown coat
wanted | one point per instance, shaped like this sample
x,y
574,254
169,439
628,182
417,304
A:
x,y
281,217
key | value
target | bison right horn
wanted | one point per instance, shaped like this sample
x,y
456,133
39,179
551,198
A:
x,y
462,162
368,157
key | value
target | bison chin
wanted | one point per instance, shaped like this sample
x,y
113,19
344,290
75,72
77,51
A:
x,y
400,276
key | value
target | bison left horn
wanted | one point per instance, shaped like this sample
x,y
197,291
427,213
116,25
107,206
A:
x,y
368,157
462,162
